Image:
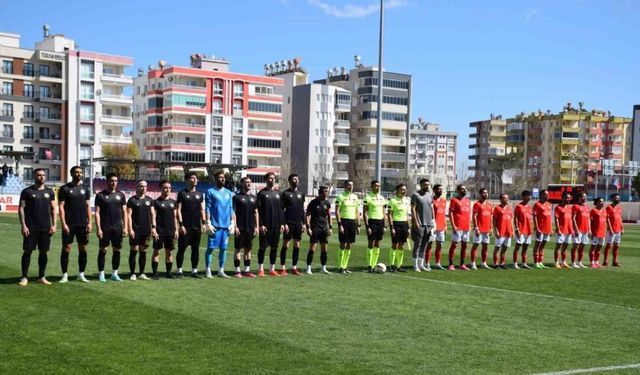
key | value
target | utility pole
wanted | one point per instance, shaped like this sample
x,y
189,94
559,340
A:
x,y
380,85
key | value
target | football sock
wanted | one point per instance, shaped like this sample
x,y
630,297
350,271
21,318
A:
x,y
222,258
26,259
615,253
101,260
261,252
295,255
115,260
154,267
142,261
64,261
392,257
273,255
132,261
340,258
169,266
283,255
82,261
370,257
309,257
195,257
580,253
42,264
474,253
452,251
347,255
376,255
236,264
399,257
323,258
208,256
463,253
247,265
180,258
484,253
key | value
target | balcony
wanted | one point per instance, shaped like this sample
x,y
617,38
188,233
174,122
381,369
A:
x,y
53,139
113,119
275,134
341,158
48,97
342,124
6,116
48,158
391,172
178,127
52,118
341,140
342,106
386,140
386,156
49,76
119,79
174,85
237,113
87,75
118,99
341,175
86,139
6,137
111,139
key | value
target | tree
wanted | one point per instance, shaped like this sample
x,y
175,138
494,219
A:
x,y
130,151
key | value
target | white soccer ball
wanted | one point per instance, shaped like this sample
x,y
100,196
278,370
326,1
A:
x,y
381,268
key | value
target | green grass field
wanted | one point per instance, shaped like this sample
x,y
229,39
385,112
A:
x,y
514,322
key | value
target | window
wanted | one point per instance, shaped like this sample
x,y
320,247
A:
x,y
85,153
7,131
237,126
28,132
217,106
44,92
43,133
7,148
265,107
237,160
217,88
28,90
237,144
216,124
7,109
253,162
86,90
87,112
238,90
87,69
237,106
7,88
184,100
7,66
390,116
263,90
86,134
28,70
216,143
155,102
28,111
44,70
264,143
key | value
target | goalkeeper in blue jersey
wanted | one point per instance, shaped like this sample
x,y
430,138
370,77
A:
x,y
218,211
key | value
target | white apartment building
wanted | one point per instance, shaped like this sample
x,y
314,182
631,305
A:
x,y
432,154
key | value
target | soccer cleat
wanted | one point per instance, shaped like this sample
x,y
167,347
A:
x,y
605,264
296,272
132,277
566,265
370,269
616,264
237,275
283,272
23,281
308,272
115,277
581,265
464,267
326,272
503,267
179,275
496,267
273,273
451,267
249,275
400,269
342,271
195,275
64,279
485,266
208,274
524,265
155,276
473,266
543,266
426,268
170,275
102,279
143,277
439,266
538,266
416,269
43,281
261,273
83,279
348,271
557,266
594,265
222,274
516,266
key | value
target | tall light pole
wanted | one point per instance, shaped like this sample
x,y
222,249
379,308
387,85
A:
x,y
380,84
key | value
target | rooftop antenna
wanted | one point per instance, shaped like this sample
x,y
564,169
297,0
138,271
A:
x,y
45,30
356,58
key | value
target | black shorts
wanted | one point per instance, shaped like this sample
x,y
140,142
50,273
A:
x,y
319,235
79,233
139,240
111,237
350,230
191,238
166,242
244,240
377,229
271,238
295,232
401,229
40,240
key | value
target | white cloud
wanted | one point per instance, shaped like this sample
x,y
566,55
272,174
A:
x,y
531,14
354,11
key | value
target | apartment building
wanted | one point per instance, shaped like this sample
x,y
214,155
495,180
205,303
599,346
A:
x,y
488,141
432,154
206,113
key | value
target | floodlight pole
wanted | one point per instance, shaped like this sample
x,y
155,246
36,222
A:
x,y
380,85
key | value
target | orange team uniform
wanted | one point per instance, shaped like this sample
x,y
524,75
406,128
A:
x,y
504,217
564,216
439,207
523,219
615,218
598,222
582,215
460,209
542,211
484,212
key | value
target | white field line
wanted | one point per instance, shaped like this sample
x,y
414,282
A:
x,y
540,295
592,369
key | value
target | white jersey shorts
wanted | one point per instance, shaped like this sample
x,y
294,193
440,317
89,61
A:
x,y
523,239
563,238
460,236
581,238
438,236
503,241
543,237
597,240
614,238
482,238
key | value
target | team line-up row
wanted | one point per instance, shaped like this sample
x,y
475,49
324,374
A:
x,y
271,214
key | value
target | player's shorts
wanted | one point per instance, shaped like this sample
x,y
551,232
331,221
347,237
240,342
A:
x,y
319,235
614,238
421,234
295,232
191,238
543,237
219,240
597,240
79,233
438,236
482,238
350,231
271,238
244,240
503,241
166,242
581,238
460,236
523,239
401,229
563,238
377,229
139,240
111,237
36,239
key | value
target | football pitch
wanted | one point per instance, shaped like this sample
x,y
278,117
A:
x,y
443,322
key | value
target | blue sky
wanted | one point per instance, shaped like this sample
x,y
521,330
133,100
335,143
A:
x,y
468,58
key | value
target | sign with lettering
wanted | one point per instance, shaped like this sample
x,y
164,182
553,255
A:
x,y
555,191
46,55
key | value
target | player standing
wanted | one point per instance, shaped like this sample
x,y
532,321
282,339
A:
x,y
141,219
581,230
503,227
398,219
166,222
522,226
75,216
271,223
319,228
439,208
111,225
373,206
482,214
421,224
348,219
293,206
459,211
598,216
218,212
542,227
615,230
38,219
246,224
564,230
191,218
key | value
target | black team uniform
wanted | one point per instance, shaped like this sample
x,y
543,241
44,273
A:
x,y
270,216
293,206
141,223
166,229
75,199
111,224
191,211
37,217
244,206
318,210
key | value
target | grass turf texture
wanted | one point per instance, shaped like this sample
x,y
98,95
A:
x,y
480,322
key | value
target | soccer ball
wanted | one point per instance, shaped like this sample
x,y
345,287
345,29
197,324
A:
x,y
381,268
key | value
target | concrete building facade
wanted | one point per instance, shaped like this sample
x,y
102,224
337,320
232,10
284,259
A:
x,y
432,154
